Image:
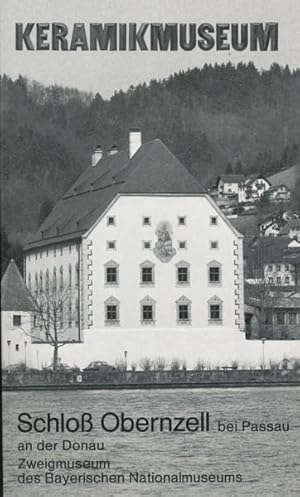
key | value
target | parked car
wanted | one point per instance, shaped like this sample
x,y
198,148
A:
x,y
99,366
16,367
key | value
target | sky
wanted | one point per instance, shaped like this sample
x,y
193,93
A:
x,y
106,72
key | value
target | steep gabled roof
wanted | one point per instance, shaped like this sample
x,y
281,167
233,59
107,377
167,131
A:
x,y
15,295
275,188
153,169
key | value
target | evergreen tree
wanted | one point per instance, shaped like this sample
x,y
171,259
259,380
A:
x,y
229,168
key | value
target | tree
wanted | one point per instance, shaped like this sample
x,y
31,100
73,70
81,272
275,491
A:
x,y
264,294
56,315
229,169
238,167
264,297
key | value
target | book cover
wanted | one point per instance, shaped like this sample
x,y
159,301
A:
x,y
150,247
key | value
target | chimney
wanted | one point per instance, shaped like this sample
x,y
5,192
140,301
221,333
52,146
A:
x,y
113,150
135,141
96,155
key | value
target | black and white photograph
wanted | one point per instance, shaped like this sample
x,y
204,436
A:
x,y
150,248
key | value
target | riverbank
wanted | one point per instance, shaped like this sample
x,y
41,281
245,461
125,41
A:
x,y
133,380
94,386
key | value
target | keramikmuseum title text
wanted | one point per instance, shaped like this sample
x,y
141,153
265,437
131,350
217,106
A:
x,y
147,36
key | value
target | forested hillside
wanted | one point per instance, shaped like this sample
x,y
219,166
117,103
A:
x,y
208,117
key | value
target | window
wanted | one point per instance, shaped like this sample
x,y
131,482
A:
x,y
278,280
111,221
147,310
70,249
41,283
36,284
278,267
287,267
47,281
147,245
280,317
287,280
17,320
111,273
270,280
76,313
214,245
183,313
214,273
111,311
76,274
215,310
182,244
146,221
182,273
17,347
70,275
61,317
70,314
270,267
181,220
147,313
292,317
61,277
147,276
147,273
47,252
111,245
213,220
29,281
54,252
183,306
54,278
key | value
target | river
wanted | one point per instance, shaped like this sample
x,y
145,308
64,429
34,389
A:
x,y
266,462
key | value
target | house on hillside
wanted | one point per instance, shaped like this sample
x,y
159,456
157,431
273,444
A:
x,y
228,184
287,177
278,194
276,260
143,247
271,225
291,229
17,310
252,188
281,314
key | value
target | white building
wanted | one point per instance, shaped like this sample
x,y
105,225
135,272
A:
x,y
143,249
16,318
228,184
253,188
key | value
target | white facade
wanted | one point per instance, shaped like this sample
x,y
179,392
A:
x,y
197,234
280,274
59,266
15,337
228,187
125,238
252,190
